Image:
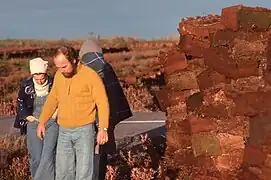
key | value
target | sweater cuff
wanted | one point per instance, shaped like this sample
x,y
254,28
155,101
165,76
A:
x,y
103,125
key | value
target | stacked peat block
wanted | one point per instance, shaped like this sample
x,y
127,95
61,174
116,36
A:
x,y
195,34
219,111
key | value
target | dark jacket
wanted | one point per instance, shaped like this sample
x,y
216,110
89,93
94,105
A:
x,y
25,101
119,106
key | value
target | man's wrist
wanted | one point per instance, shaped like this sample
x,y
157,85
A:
x,y
41,122
104,129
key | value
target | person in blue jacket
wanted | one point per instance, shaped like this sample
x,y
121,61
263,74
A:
x,y
91,55
31,97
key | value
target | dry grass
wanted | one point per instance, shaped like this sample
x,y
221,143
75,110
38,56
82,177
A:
x,y
132,55
11,74
105,42
140,162
7,108
128,64
13,143
16,165
140,63
135,63
15,43
140,100
138,68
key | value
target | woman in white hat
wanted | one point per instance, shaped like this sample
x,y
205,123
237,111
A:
x,y
31,97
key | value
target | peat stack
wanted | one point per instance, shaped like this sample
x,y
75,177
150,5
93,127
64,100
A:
x,y
218,96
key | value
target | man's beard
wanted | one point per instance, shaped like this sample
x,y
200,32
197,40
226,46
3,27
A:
x,y
71,74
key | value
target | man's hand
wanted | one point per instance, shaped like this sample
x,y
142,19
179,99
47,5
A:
x,y
41,131
102,137
30,118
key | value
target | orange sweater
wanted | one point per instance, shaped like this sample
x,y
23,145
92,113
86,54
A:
x,y
76,99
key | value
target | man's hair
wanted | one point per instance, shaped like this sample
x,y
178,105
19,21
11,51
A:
x,y
69,52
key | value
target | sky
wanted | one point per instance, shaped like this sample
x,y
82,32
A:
x,y
50,19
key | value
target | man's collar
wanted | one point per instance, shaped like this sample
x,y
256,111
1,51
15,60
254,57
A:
x,y
79,66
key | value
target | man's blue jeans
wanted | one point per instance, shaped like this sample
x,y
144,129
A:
x,y
75,153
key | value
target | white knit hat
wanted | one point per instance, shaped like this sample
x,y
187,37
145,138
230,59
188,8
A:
x,y
38,65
